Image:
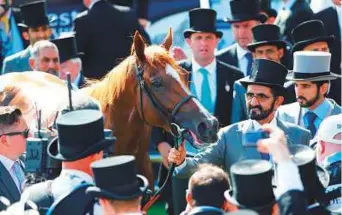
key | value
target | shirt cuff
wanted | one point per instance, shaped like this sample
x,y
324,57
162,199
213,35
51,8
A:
x,y
288,178
181,166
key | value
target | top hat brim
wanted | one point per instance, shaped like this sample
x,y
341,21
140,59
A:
x,y
97,147
190,31
281,89
103,193
330,77
278,43
77,55
260,17
229,197
302,44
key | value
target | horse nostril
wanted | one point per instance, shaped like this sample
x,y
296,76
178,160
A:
x,y
202,128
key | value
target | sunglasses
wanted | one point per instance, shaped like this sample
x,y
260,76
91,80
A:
x,y
24,133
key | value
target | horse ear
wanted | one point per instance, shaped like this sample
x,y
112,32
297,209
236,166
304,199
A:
x,y
138,46
168,40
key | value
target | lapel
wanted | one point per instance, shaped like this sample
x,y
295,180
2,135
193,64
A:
x,y
335,26
250,152
223,87
235,61
8,184
286,131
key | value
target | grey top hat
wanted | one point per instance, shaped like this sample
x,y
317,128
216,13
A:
x,y
311,66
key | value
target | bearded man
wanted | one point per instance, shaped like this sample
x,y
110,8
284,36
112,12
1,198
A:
x,y
264,94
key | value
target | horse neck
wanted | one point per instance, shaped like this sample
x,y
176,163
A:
x,y
121,112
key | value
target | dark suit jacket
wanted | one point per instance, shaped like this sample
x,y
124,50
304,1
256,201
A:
x,y
229,55
300,12
103,38
8,187
226,76
330,20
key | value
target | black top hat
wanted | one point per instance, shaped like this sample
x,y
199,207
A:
x,y
265,6
251,185
34,14
267,73
67,48
315,178
244,10
266,34
202,20
309,32
80,134
116,178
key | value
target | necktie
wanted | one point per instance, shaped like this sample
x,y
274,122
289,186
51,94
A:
x,y
206,99
310,119
249,58
5,22
19,174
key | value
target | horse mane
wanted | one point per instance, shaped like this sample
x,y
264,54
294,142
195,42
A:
x,y
108,90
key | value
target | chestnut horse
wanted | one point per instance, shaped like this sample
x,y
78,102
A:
x,y
147,89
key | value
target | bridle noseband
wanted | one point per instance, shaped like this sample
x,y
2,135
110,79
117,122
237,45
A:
x,y
167,115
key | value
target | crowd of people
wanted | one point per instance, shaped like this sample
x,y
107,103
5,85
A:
x,y
281,78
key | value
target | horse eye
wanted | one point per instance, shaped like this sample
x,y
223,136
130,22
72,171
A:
x,y
158,82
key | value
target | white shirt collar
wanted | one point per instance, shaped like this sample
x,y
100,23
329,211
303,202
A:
x,y
240,52
257,126
8,163
93,3
210,67
86,177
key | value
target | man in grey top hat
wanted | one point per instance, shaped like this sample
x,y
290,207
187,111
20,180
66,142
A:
x,y
311,74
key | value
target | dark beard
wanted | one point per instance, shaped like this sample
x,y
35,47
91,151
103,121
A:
x,y
308,103
263,113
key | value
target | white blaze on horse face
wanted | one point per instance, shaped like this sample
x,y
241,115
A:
x,y
174,74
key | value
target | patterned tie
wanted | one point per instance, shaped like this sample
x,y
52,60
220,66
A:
x,y
19,174
206,99
310,119
249,58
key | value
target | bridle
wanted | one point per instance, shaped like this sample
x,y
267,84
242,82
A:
x,y
168,116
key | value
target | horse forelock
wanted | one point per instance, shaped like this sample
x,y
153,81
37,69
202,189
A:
x,y
158,57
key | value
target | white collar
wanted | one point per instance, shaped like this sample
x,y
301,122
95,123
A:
x,y
257,126
93,3
8,163
86,177
210,67
240,51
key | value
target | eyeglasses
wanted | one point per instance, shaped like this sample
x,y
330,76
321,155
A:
x,y
24,133
260,97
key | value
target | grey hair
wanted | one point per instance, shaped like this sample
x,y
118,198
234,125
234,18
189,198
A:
x,y
40,45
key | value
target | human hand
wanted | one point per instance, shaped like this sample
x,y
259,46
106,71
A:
x,y
276,145
177,156
164,149
178,53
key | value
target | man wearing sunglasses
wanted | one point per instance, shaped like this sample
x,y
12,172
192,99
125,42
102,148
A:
x,y
264,94
13,134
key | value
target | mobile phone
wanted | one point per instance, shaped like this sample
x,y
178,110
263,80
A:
x,y
251,138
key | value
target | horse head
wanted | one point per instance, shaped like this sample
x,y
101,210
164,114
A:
x,y
163,96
